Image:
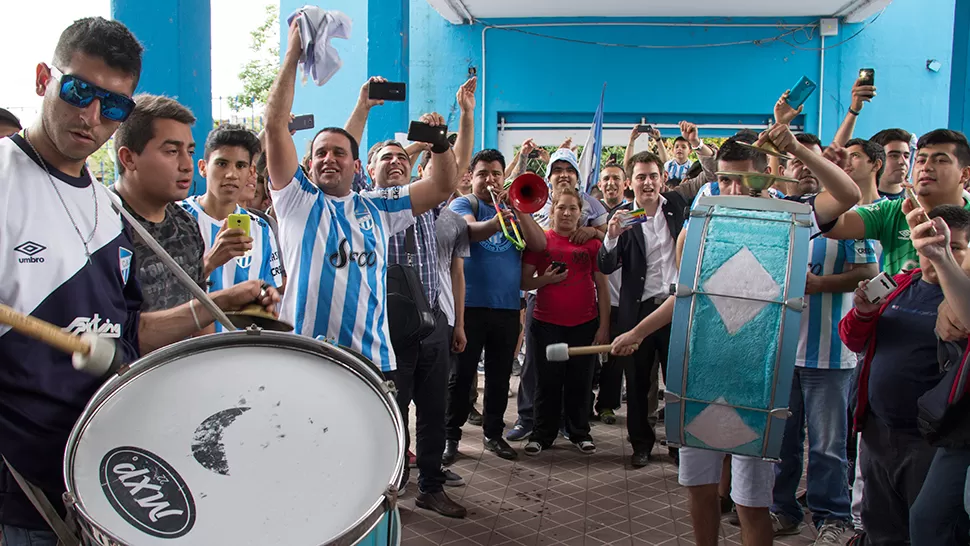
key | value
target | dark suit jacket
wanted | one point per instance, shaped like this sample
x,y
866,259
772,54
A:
x,y
630,253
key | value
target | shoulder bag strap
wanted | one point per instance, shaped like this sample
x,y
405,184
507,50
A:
x,y
37,497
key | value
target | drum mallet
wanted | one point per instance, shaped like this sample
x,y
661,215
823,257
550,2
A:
x,y
92,353
560,352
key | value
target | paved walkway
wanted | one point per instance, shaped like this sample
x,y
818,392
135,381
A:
x,y
562,497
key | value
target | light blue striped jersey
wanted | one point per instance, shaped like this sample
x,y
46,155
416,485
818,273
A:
x,y
335,254
261,264
819,345
676,170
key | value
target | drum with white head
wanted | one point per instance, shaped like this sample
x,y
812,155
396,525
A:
x,y
243,437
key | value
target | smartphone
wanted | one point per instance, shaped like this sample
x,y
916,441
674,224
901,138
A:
x,y
239,221
911,195
394,91
867,76
879,287
644,128
560,266
300,123
533,154
800,92
422,132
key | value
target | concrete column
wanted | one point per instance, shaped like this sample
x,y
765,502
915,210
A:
x,y
177,60
959,98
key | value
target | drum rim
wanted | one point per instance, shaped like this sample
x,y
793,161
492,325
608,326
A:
x,y
347,358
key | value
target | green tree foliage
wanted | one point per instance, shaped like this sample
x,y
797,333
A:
x,y
258,74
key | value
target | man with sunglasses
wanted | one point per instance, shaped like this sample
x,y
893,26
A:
x,y
69,261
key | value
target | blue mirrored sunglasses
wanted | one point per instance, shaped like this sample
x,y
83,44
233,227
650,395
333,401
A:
x,y
80,93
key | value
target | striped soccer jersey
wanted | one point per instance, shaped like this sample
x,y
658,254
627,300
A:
x,y
262,263
335,255
676,170
819,345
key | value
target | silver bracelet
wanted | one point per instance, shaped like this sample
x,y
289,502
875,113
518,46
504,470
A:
x,y
196,317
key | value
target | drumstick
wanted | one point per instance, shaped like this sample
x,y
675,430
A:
x,y
93,354
560,352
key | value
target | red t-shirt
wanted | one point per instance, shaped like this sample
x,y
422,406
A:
x,y
571,301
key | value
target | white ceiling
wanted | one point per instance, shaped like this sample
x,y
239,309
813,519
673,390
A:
x,y
458,11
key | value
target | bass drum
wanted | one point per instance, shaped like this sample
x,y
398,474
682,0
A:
x,y
239,438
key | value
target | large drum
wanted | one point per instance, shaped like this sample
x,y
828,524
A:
x,y
239,438
736,324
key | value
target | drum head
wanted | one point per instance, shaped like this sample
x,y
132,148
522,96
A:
x,y
237,438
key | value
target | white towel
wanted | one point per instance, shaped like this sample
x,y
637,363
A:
x,y
317,27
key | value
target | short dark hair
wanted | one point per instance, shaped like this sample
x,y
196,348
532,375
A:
x,y
614,165
107,40
732,151
488,155
955,216
644,157
354,147
875,152
946,136
232,135
891,135
7,118
681,139
384,144
808,140
747,136
138,130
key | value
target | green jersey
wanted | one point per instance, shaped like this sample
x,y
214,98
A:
x,y
886,223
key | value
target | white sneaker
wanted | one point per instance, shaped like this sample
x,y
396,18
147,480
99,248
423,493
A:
x,y
830,534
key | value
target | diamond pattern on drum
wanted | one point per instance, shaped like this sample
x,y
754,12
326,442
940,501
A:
x,y
720,427
742,275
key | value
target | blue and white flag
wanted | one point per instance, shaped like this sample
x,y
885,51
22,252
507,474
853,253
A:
x,y
589,162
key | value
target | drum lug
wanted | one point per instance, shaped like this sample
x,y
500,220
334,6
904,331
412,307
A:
x,y
796,304
253,330
389,387
681,290
390,497
780,413
699,212
803,223
671,397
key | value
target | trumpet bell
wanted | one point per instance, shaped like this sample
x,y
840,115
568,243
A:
x,y
528,193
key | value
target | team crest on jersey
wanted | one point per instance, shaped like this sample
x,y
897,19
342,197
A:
x,y
124,262
245,260
365,220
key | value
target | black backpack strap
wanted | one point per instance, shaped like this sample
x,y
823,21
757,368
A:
x,y
410,246
473,201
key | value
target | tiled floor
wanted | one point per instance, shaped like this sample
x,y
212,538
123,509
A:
x,y
562,497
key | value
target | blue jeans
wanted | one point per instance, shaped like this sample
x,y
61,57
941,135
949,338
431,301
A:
x,y
819,398
938,517
16,536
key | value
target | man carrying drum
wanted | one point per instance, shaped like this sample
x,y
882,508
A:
x,y
700,470
74,267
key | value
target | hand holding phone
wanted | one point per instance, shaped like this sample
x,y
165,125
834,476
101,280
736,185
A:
x,y
644,128
878,288
560,267
392,91
300,123
867,76
239,221
800,92
436,135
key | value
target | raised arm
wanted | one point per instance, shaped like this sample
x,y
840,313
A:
x,y
661,147
841,193
465,143
932,240
358,118
281,158
861,94
631,148
431,191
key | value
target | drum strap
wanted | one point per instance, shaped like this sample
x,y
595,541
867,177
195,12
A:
x,y
37,497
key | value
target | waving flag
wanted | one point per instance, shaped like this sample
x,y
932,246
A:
x,y
589,162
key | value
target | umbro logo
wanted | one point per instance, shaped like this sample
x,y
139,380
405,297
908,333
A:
x,y
30,249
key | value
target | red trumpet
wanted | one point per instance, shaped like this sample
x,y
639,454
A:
x,y
528,193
